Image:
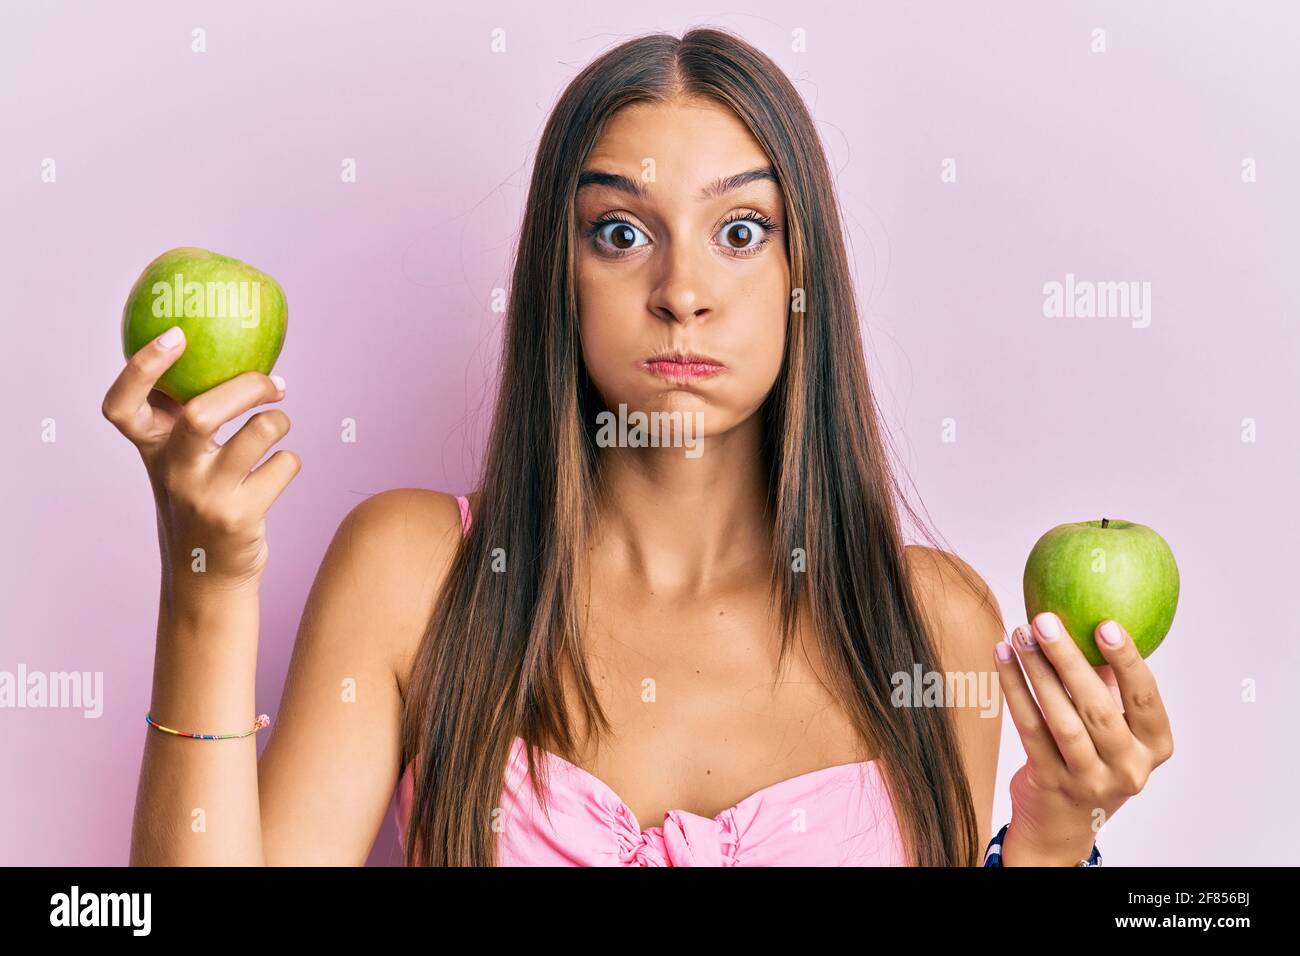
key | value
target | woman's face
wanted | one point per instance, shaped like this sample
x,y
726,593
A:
x,y
682,254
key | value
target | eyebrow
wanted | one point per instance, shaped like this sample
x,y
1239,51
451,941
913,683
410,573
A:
x,y
719,187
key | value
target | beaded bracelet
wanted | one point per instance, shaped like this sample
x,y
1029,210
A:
x,y
993,855
262,721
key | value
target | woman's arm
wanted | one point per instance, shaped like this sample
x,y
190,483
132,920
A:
x,y
327,776
966,625
1092,734
330,765
197,799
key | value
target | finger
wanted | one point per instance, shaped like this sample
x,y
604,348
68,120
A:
x,y
204,414
162,402
1107,676
166,413
1144,710
1090,699
1072,738
269,479
127,404
246,447
1040,746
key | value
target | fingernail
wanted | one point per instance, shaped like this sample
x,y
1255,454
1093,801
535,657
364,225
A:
x,y
1026,635
1048,627
1112,634
279,382
1003,650
172,337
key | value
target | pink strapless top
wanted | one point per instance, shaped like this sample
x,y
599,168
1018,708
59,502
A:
x,y
835,816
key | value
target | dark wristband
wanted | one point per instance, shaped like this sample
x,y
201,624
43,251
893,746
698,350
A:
x,y
993,853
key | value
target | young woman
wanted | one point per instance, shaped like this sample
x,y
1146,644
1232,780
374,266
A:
x,y
619,653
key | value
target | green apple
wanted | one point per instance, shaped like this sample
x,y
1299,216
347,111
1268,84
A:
x,y
234,318
1088,571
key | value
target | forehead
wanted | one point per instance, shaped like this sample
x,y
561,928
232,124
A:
x,y
692,142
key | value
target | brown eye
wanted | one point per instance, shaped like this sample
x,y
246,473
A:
x,y
739,235
747,234
619,236
623,237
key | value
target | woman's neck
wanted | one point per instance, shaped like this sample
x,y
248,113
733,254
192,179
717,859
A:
x,y
677,524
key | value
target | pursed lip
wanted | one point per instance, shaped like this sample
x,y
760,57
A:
x,y
678,365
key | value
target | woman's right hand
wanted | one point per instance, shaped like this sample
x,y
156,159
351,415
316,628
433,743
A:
x,y
209,496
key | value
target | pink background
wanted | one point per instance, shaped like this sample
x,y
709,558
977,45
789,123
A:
x,y
1123,165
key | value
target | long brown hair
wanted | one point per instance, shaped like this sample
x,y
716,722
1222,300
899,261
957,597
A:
x,y
492,662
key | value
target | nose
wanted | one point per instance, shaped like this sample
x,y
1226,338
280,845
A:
x,y
682,294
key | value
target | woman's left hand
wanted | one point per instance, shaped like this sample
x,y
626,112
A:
x,y
1093,736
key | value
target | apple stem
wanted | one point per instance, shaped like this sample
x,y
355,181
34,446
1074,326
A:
x,y
1105,522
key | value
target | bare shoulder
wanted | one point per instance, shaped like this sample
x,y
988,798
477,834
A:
x,y
367,610
966,623
953,594
400,545
401,517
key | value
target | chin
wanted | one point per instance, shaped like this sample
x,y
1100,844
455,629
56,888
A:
x,y
676,399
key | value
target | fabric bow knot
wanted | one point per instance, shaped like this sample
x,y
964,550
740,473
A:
x,y
685,839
